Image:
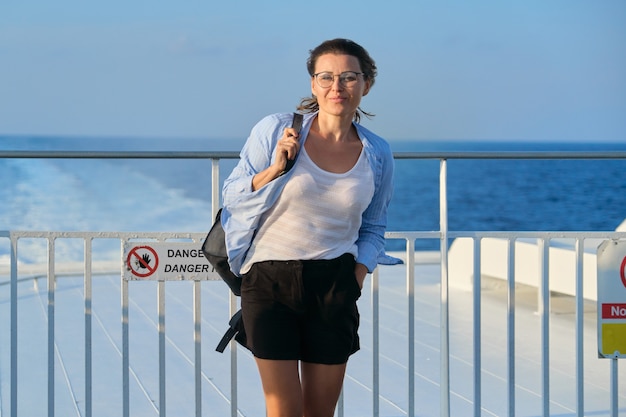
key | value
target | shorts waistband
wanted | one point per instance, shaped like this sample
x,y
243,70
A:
x,y
313,263
328,262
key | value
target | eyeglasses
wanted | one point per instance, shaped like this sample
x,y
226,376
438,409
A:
x,y
347,79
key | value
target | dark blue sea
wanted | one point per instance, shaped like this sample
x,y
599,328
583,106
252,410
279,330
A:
x,y
174,195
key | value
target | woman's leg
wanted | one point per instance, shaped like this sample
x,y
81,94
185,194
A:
x,y
281,386
321,386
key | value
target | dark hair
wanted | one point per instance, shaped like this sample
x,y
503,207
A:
x,y
339,47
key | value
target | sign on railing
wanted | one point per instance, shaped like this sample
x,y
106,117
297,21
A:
x,y
166,261
612,299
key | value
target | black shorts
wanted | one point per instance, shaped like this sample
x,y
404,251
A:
x,y
302,310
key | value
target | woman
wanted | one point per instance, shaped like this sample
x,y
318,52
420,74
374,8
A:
x,y
305,241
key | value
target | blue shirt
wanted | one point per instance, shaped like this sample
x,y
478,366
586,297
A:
x,y
242,206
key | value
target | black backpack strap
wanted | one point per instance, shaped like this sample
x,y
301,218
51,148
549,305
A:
x,y
235,326
297,125
297,122
228,336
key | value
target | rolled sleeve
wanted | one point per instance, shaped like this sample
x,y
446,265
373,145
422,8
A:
x,y
254,157
371,242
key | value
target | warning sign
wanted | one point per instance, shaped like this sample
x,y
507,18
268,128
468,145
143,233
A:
x,y
612,299
142,261
167,261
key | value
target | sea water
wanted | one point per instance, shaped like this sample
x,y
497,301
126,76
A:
x,y
175,195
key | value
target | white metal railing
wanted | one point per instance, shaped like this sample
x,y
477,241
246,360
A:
x,y
443,235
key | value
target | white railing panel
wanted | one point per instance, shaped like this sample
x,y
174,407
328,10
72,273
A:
x,y
450,399
53,273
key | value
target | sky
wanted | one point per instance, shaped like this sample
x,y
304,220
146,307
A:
x,y
532,70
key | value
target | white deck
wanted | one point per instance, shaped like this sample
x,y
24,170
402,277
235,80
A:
x,y
144,382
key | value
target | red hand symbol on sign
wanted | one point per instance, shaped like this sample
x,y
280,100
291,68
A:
x,y
142,261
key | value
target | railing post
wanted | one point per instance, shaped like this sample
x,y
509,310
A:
x,y
197,340
375,346
477,328
232,305
215,187
445,336
125,343
580,314
410,290
233,362
161,331
614,386
511,327
51,317
544,313
88,333
13,326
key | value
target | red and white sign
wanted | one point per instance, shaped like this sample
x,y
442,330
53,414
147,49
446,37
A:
x,y
614,311
611,261
142,261
166,261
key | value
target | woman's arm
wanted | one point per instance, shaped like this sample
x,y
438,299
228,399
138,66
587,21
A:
x,y
286,148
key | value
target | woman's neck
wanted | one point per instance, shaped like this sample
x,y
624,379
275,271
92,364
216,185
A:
x,y
335,128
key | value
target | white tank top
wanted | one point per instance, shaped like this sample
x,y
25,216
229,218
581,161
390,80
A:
x,y
317,216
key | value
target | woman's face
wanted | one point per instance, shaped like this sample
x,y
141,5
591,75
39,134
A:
x,y
339,99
